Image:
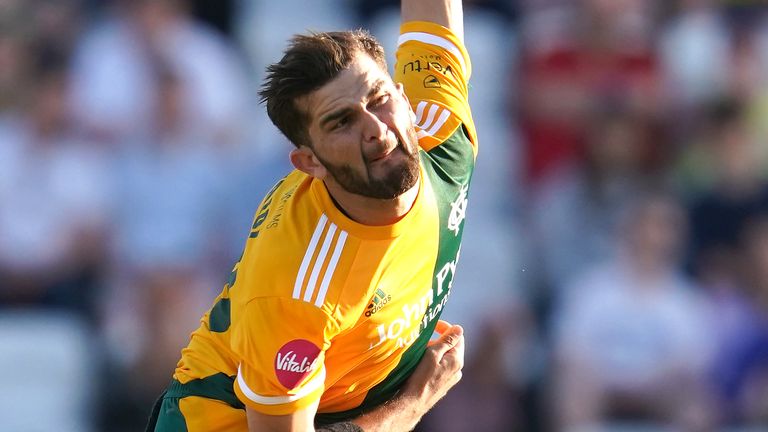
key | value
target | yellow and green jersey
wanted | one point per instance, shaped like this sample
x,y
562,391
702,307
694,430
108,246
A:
x,y
320,307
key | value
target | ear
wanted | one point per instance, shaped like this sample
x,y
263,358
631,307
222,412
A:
x,y
304,160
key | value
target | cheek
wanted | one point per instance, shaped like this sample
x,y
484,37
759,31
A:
x,y
404,113
400,121
344,149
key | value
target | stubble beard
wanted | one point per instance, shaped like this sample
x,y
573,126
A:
x,y
396,181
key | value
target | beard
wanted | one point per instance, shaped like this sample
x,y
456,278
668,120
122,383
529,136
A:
x,y
393,183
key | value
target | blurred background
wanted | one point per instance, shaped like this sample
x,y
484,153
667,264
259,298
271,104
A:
x,y
614,273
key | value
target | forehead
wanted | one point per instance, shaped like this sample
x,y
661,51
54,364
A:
x,y
351,86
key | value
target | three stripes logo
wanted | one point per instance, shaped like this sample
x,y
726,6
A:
x,y
430,117
318,265
380,298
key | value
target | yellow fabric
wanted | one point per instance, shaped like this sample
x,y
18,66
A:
x,y
358,293
436,78
218,416
266,315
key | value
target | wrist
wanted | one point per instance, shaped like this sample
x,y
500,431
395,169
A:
x,y
401,413
340,427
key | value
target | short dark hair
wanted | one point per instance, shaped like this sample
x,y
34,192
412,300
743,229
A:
x,y
309,62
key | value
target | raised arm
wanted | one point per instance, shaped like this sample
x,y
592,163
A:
x,y
447,13
434,67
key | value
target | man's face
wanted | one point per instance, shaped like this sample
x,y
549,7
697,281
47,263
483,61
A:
x,y
362,133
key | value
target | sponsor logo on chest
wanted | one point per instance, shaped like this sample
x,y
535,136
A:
x,y
417,315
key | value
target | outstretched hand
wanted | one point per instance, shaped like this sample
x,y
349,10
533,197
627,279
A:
x,y
440,368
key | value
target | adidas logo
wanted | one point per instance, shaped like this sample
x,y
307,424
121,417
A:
x,y
380,298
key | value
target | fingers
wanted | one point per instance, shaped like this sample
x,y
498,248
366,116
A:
x,y
458,349
440,369
453,358
452,338
442,326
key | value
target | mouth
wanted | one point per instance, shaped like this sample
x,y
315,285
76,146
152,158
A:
x,y
385,154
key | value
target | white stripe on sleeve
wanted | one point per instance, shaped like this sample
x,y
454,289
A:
x,y
430,116
435,127
308,388
437,41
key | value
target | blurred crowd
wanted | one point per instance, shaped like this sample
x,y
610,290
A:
x,y
614,274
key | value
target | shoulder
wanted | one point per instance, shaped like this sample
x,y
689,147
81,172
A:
x,y
295,253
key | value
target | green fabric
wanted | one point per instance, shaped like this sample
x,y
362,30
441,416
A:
x,y
219,318
218,387
170,418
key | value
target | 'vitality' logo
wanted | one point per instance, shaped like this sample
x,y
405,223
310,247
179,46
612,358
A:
x,y
294,361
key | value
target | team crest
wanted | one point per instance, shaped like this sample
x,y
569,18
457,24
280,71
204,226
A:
x,y
458,211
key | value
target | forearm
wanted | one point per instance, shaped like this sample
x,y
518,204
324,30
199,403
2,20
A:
x,y
447,13
401,414
438,371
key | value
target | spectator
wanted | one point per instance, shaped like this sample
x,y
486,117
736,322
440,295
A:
x,y
171,96
169,228
13,66
737,191
574,213
578,57
55,190
114,79
695,49
741,365
631,341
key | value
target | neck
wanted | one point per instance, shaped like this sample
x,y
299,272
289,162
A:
x,y
372,211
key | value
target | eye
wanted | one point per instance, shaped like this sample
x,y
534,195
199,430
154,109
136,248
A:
x,y
380,100
340,123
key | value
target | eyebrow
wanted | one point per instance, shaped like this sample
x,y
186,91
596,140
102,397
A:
x,y
340,113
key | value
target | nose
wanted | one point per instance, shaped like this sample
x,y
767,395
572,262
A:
x,y
374,129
